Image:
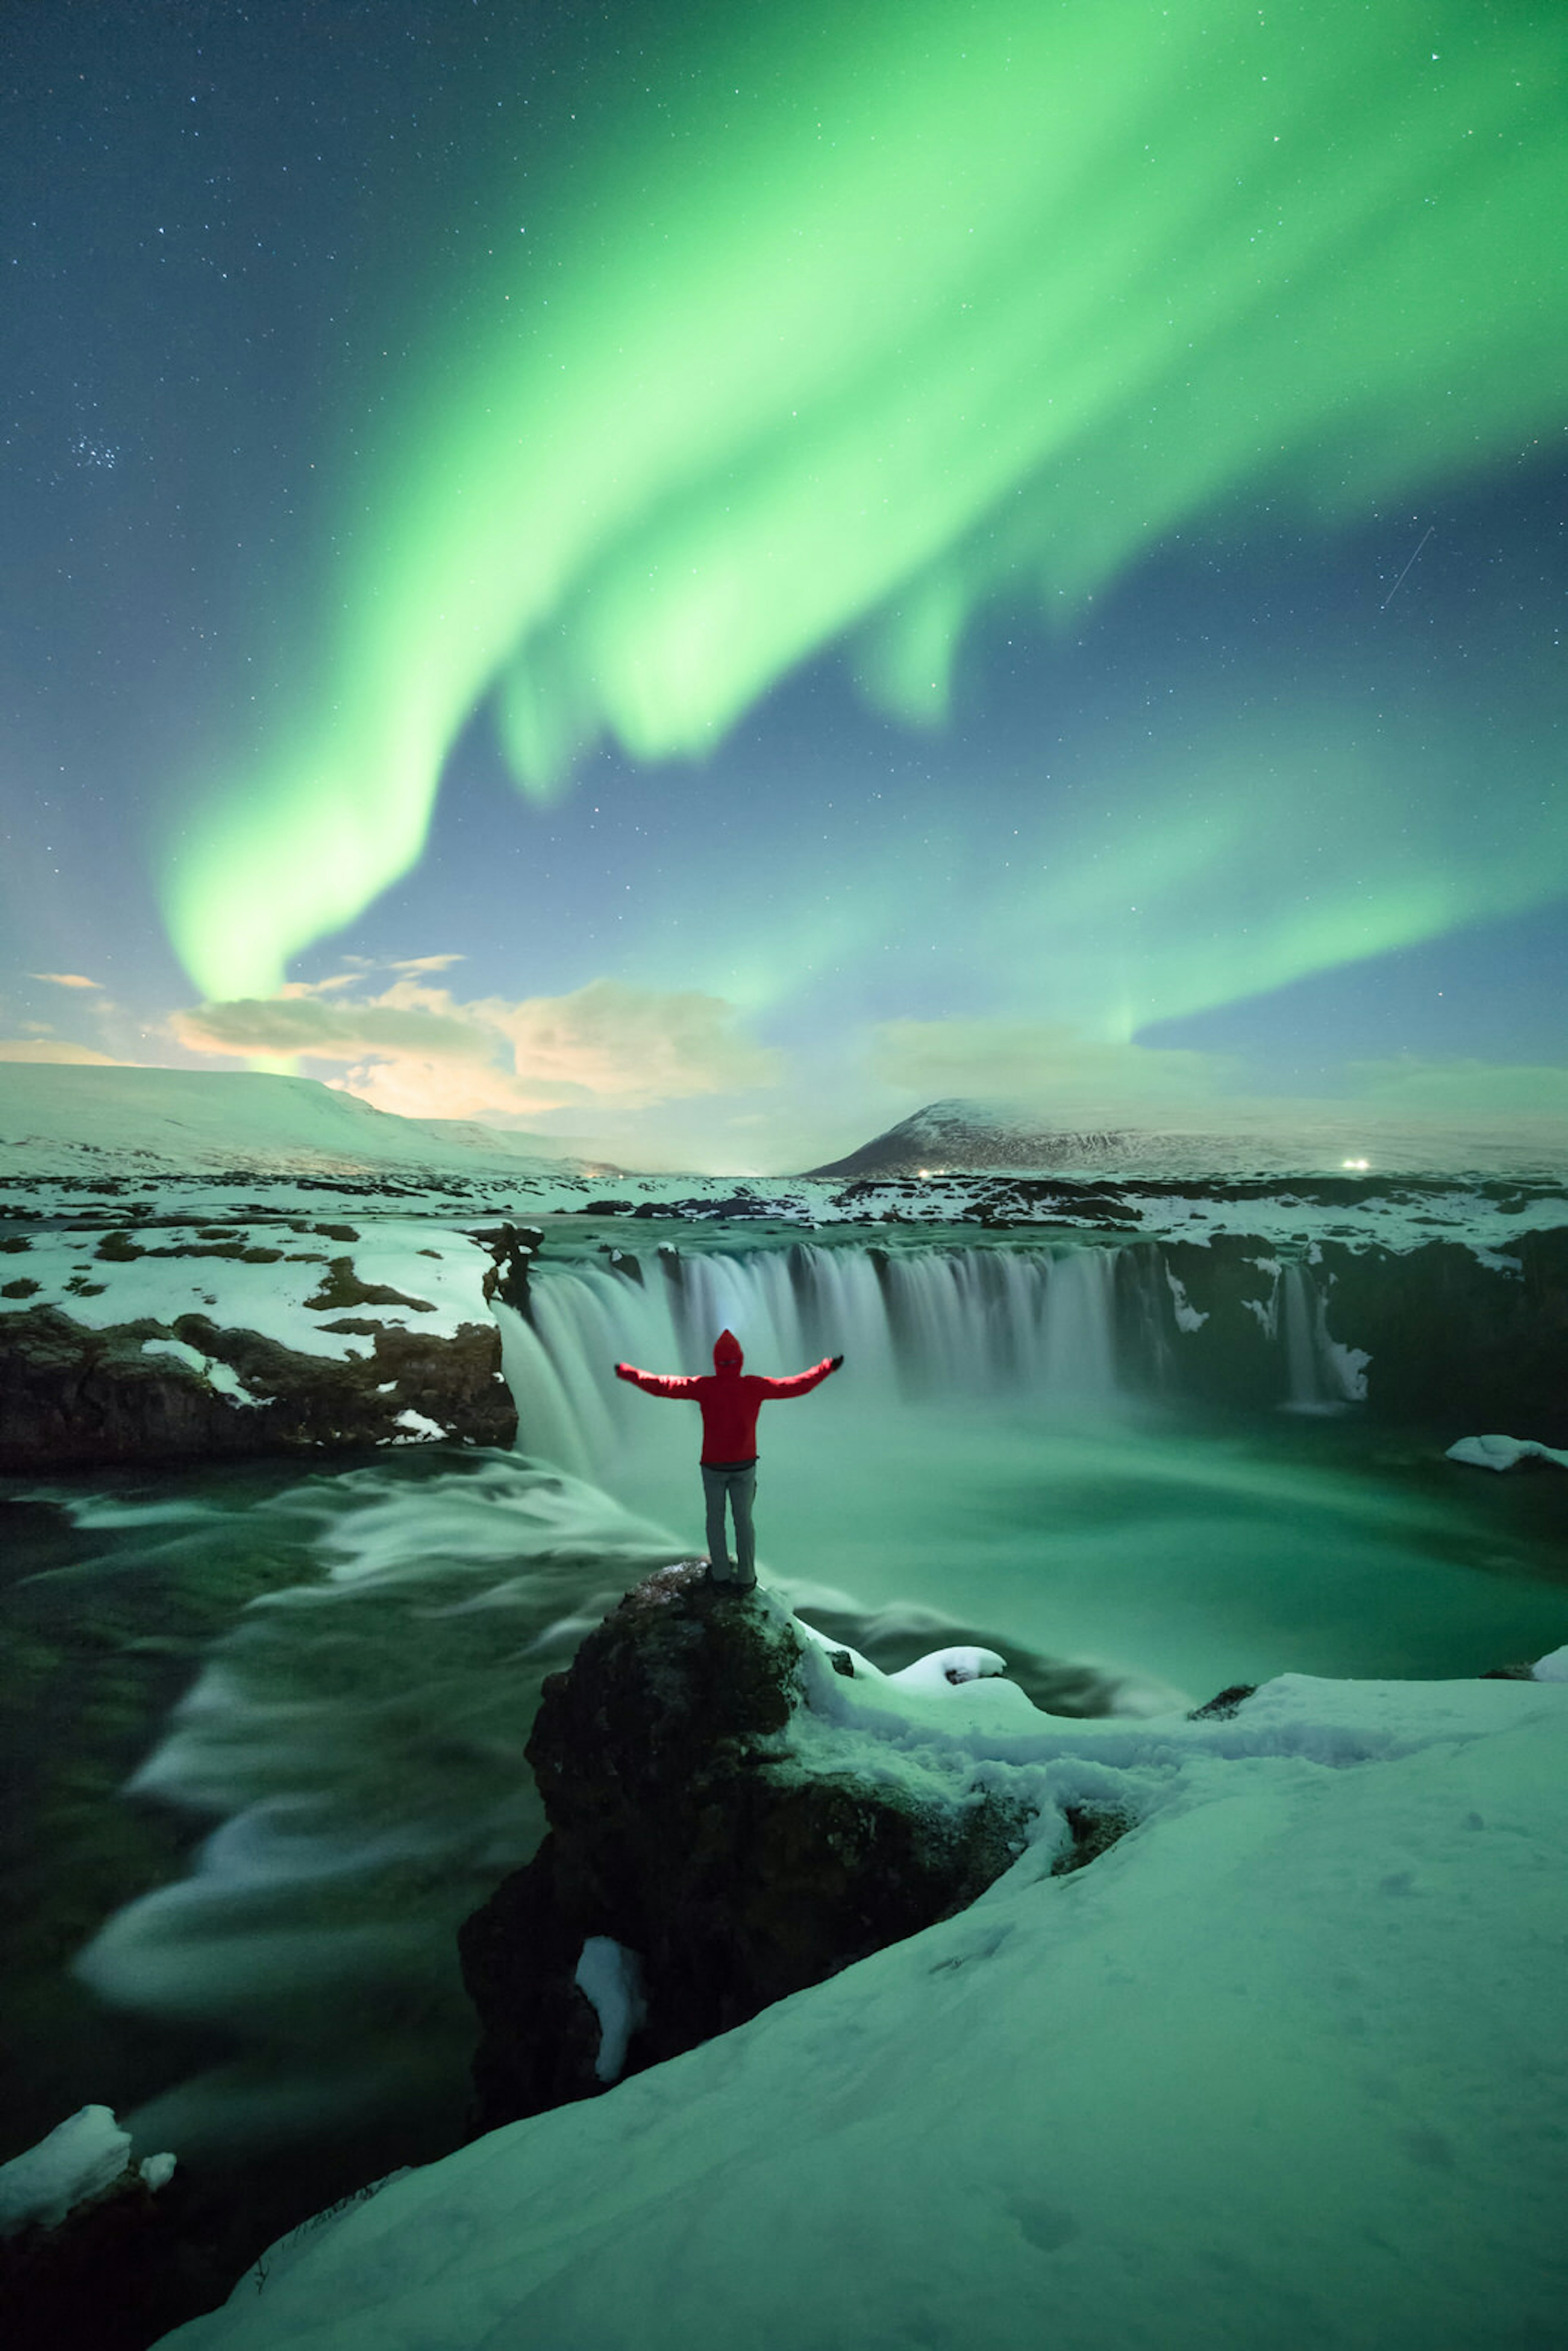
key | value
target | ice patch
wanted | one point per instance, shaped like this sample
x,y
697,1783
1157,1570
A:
x,y
417,1425
610,1977
1187,1317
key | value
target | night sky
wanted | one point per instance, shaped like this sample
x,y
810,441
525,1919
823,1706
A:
x,y
697,577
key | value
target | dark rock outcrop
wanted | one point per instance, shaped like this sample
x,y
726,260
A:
x,y
72,1396
683,1830
512,1249
115,2274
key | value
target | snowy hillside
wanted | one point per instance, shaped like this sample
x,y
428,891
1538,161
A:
x,y
1283,2066
59,1119
954,1135
957,1136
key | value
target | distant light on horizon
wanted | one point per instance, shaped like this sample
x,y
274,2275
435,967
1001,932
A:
x,y
1356,1163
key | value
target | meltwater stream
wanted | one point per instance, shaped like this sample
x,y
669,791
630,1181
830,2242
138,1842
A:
x,y
1007,1451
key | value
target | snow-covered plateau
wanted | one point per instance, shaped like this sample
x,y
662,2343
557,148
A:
x,y
1283,2066
195,1264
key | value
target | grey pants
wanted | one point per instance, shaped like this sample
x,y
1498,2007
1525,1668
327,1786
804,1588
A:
x,y
739,1486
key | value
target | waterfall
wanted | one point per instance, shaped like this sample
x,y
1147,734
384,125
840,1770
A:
x,y
1066,1331
917,1324
1321,1374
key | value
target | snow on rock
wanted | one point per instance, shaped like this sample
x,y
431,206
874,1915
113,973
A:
x,y
141,1339
80,2159
610,1977
1187,1317
1551,1668
944,1668
689,1824
1283,2066
1504,1452
218,1375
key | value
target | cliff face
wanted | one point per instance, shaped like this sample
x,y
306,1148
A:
x,y
72,1397
168,1339
1443,1337
684,1834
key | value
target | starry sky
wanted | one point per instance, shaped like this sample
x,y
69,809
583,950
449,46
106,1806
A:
x,y
697,577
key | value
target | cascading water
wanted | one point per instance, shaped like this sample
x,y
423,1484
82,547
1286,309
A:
x,y
912,1325
1321,1374
1070,1333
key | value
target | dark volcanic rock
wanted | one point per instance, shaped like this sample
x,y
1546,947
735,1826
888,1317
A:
x,y
682,1829
512,1248
70,1396
115,2274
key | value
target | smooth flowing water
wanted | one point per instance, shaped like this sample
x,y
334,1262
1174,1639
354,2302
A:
x,y
1007,1450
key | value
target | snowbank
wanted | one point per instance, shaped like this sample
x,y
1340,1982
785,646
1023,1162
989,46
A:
x,y
80,2157
301,1284
1283,2066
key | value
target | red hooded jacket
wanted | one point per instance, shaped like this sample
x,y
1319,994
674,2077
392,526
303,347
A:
x,y
730,1399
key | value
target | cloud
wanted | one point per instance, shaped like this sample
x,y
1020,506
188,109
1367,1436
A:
x,y
427,963
54,1049
328,1032
320,986
416,1050
65,979
1073,1080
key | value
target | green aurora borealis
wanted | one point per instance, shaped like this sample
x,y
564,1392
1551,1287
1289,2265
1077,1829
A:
x,y
941,310
701,576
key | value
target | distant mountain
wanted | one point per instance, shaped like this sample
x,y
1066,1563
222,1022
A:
x,y
64,1118
959,1137
956,1136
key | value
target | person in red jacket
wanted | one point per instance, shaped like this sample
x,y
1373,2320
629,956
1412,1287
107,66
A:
x,y
730,1400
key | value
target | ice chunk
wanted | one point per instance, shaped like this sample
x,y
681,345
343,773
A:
x,y
1551,1668
611,1978
1504,1452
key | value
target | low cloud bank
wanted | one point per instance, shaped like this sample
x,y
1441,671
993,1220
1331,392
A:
x,y
52,1048
417,1050
1086,1083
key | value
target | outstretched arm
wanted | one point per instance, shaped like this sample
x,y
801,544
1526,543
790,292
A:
x,y
802,1382
656,1382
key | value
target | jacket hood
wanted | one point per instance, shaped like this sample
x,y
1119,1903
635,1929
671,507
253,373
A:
x,y
727,1354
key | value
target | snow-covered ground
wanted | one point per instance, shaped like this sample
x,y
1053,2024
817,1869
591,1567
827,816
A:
x,y
147,1144
79,2161
62,1120
1284,2067
275,1278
